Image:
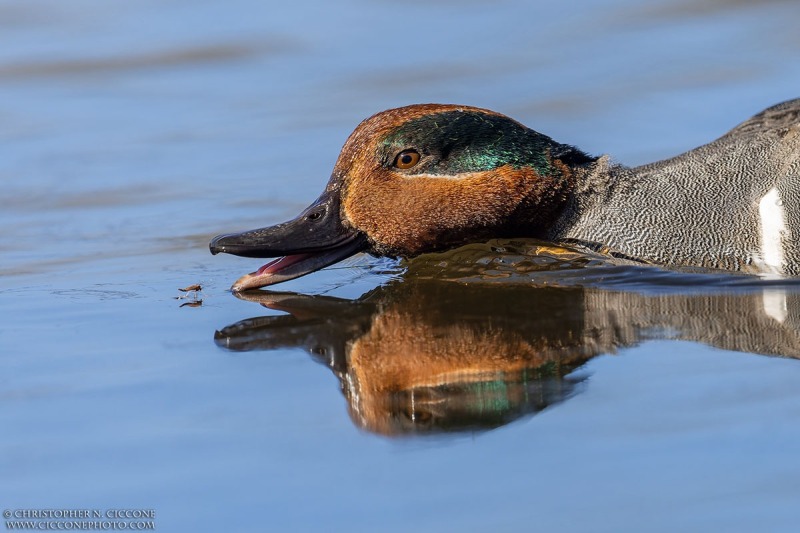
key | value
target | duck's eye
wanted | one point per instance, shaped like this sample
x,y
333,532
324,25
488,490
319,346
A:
x,y
406,159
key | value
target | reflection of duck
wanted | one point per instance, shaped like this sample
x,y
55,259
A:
x,y
422,356
418,360
430,177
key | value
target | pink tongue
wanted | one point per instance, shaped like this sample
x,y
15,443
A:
x,y
279,264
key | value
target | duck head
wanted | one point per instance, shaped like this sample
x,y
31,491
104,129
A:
x,y
418,179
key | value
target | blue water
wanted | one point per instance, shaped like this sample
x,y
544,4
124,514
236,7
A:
x,y
133,132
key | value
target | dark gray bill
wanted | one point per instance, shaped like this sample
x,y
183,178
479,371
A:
x,y
315,239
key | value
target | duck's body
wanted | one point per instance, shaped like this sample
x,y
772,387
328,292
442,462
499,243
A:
x,y
429,177
732,204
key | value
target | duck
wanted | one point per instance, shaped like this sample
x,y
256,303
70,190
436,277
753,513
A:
x,y
430,177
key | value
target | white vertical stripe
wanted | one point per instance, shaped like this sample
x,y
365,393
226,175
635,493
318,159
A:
x,y
774,302
773,226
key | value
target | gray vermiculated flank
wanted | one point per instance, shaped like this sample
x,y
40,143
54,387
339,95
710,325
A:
x,y
700,208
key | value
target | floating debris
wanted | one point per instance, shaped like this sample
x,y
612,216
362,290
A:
x,y
193,294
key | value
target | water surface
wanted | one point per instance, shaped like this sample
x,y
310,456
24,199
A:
x,y
481,389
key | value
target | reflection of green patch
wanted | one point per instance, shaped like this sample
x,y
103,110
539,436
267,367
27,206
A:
x,y
495,395
489,396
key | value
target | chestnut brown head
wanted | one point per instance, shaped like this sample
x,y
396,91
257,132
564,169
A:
x,y
418,179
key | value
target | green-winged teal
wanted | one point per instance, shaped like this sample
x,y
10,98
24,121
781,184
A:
x,y
429,177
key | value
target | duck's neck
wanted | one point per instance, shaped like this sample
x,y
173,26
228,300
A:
x,y
592,188
566,177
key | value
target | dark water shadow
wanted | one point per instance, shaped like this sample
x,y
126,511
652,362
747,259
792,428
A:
x,y
425,356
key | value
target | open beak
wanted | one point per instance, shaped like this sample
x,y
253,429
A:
x,y
315,239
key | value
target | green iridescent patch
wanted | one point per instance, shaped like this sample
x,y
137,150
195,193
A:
x,y
455,142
